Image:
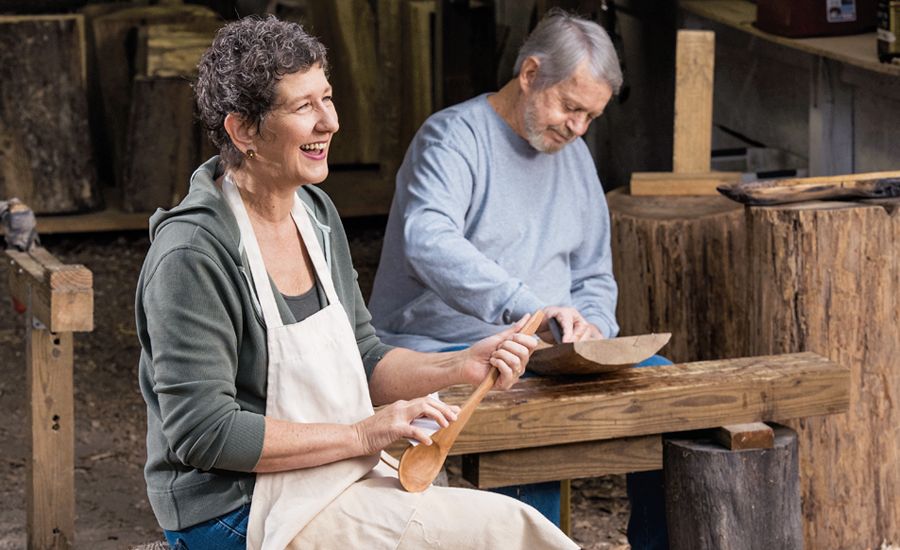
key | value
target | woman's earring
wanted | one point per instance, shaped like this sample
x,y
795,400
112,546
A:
x,y
251,154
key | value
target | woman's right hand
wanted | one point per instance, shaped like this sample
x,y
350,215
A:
x,y
394,422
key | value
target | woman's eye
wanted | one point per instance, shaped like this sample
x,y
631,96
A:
x,y
327,99
303,107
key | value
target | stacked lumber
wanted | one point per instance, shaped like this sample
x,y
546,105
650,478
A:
x,y
164,141
115,32
45,154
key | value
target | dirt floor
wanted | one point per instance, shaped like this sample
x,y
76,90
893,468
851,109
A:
x,y
111,505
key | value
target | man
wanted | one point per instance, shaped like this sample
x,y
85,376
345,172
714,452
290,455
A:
x,y
498,211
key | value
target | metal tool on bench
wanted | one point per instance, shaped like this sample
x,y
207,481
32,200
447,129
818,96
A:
x,y
420,465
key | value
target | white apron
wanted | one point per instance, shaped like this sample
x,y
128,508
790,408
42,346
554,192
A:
x,y
315,374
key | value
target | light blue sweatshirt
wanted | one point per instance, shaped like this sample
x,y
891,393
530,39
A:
x,y
484,228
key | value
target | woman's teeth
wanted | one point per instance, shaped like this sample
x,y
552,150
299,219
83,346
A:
x,y
314,146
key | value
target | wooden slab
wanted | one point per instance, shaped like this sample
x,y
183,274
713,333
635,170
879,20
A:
x,y
596,356
684,184
754,435
570,461
871,185
551,411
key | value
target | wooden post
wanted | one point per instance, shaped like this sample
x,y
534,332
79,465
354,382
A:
x,y
60,301
692,139
718,499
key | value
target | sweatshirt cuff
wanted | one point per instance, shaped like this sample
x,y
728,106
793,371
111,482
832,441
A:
x,y
524,302
243,448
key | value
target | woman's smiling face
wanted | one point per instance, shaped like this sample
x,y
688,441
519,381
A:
x,y
295,137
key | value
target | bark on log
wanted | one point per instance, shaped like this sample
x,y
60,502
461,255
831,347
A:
x,y
45,149
680,263
821,277
826,278
718,499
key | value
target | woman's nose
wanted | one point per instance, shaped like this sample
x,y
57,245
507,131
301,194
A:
x,y
328,121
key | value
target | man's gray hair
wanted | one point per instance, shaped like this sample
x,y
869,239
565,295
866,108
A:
x,y
561,41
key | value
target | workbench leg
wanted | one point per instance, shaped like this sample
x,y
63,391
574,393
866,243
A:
x,y
50,490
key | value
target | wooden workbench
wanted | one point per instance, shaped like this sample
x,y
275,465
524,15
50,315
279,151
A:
x,y
561,428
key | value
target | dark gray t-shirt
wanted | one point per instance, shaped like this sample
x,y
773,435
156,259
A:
x,y
306,304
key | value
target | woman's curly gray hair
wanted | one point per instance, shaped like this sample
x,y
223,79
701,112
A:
x,y
239,72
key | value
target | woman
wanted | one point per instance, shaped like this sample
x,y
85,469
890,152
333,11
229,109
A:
x,y
259,365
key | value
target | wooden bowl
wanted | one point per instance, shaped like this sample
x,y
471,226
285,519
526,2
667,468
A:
x,y
596,356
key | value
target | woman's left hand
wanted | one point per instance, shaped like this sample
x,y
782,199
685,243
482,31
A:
x,y
507,351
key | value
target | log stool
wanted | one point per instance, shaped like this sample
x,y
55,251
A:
x,y
723,499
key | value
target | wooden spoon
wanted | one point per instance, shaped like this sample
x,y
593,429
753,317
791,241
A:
x,y
420,464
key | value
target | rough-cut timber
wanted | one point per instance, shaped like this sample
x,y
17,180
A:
x,y
872,185
115,44
680,263
826,278
539,412
163,144
717,499
754,435
45,148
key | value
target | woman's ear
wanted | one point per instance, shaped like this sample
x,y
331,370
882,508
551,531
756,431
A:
x,y
241,134
528,73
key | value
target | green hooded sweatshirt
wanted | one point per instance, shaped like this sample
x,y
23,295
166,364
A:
x,y
203,349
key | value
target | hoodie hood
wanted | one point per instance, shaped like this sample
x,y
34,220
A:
x,y
205,206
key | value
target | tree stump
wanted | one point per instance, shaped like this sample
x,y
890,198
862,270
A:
x,y
826,278
820,277
45,150
718,499
680,263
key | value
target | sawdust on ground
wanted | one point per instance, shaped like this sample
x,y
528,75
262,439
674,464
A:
x,y
111,505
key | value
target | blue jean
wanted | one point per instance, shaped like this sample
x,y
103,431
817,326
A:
x,y
647,528
226,532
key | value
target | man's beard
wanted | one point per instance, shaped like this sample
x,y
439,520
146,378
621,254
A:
x,y
534,133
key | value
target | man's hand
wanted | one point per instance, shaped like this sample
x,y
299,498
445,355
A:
x,y
575,328
507,351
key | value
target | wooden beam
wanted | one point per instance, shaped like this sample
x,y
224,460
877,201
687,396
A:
x,y
552,411
688,183
694,61
50,486
569,461
755,435
60,296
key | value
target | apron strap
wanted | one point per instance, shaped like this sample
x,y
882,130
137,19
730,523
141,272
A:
x,y
271,315
301,219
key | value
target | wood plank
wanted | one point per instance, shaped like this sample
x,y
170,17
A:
x,y
856,49
173,49
694,61
50,485
754,435
680,184
418,77
633,402
61,296
569,461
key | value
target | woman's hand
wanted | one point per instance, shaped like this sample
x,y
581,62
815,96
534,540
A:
x,y
575,328
507,351
394,422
